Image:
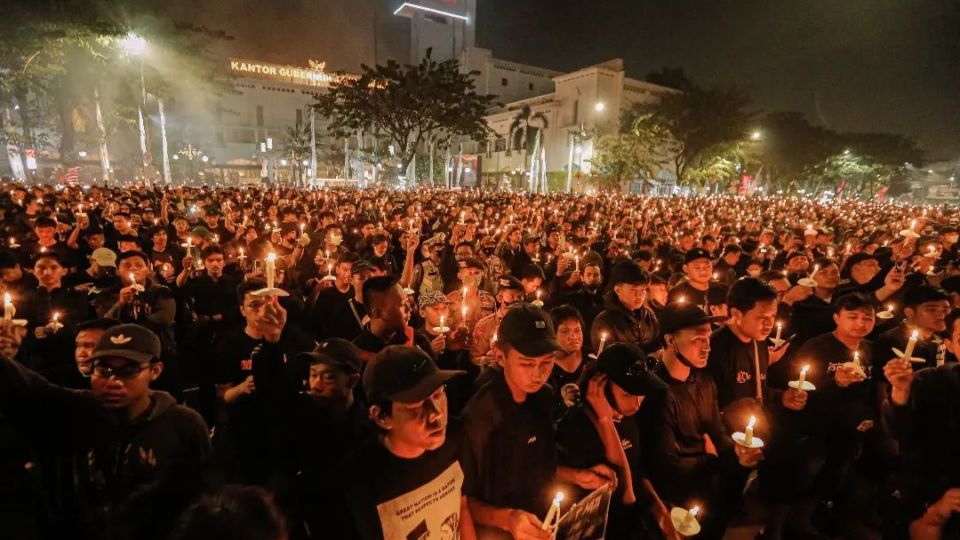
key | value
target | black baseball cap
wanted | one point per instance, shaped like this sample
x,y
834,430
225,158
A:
x,y
509,283
623,363
404,375
628,272
923,294
696,253
858,258
680,316
335,352
130,341
529,330
360,266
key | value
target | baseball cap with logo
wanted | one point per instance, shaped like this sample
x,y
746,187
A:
x,y
104,257
623,363
507,282
529,330
335,352
404,375
432,298
130,341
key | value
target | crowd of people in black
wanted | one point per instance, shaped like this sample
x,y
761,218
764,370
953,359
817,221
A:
x,y
251,363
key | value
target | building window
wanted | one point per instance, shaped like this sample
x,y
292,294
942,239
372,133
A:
x,y
503,81
500,145
241,136
299,117
260,115
530,86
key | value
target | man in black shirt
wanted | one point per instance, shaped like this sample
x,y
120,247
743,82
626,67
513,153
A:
x,y
819,434
389,314
509,427
51,312
101,445
569,363
925,310
77,376
927,496
254,383
698,270
411,482
448,347
739,352
691,452
626,318
328,307
605,428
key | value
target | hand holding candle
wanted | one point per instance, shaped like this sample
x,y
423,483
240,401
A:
x,y
911,344
554,513
8,310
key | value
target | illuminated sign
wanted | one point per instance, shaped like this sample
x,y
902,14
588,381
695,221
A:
x,y
315,75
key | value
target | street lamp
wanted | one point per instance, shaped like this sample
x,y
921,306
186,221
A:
x,y
755,136
846,152
133,44
599,106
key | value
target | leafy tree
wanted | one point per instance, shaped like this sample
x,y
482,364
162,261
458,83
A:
x,y
702,123
411,104
640,149
671,78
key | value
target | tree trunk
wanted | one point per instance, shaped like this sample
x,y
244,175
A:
x,y
68,135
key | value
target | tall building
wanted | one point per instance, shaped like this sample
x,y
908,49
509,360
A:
x,y
445,27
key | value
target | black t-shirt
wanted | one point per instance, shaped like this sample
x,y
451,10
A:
x,y
933,350
689,294
829,406
559,378
512,460
377,495
733,366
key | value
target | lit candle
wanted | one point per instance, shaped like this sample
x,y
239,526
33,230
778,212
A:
x,y
681,299
908,353
442,320
803,377
13,243
693,513
270,269
576,263
8,309
603,340
779,331
890,308
241,256
133,278
856,358
463,316
748,433
329,269
553,513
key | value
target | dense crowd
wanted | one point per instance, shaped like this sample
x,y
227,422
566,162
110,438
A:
x,y
180,363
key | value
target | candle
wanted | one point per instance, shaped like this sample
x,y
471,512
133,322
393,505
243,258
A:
x,y
270,269
241,256
603,340
856,358
8,309
133,278
442,320
13,243
189,242
329,269
748,433
681,299
463,316
576,263
779,331
908,353
890,308
803,377
553,513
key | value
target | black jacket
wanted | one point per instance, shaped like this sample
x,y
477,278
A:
x,y
625,326
93,460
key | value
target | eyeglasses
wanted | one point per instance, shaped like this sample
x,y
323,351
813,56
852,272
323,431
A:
x,y
123,373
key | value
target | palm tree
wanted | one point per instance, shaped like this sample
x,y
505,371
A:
x,y
525,126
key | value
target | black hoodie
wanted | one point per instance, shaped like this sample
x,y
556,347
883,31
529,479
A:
x,y
624,326
91,459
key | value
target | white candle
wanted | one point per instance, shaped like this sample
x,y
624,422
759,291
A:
x,y
603,340
911,344
803,377
553,513
241,256
748,433
8,309
442,320
329,269
576,263
779,331
271,269
856,358
463,315
133,278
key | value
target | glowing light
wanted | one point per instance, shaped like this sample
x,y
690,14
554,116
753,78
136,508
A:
x,y
133,44
430,10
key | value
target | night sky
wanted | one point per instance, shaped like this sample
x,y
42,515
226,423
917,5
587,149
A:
x,y
858,65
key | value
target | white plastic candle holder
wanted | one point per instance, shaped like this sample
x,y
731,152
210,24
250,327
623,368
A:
x,y
685,522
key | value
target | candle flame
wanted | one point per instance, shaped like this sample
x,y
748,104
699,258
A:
x,y
56,316
915,334
7,299
558,498
695,511
271,256
752,422
805,370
